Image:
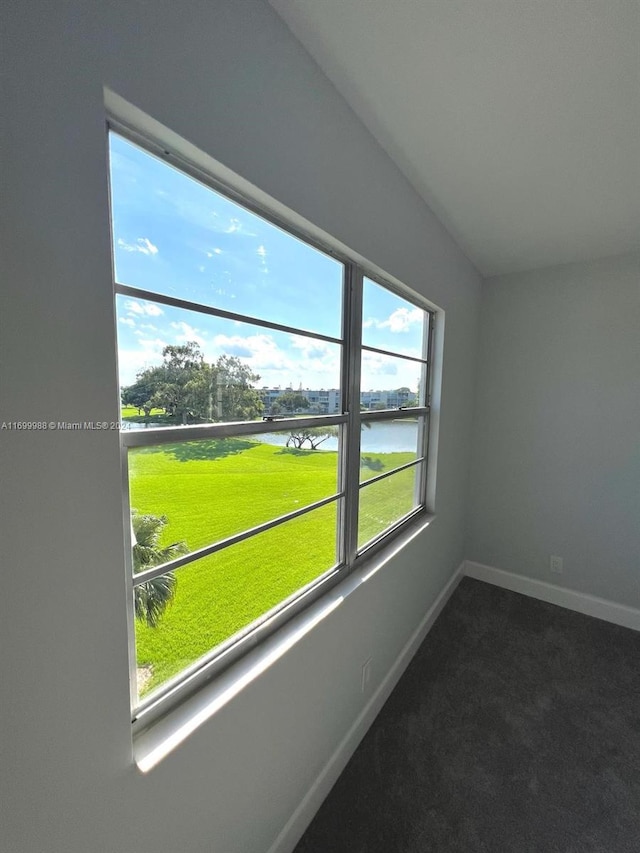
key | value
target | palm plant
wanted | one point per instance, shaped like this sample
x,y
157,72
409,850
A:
x,y
152,597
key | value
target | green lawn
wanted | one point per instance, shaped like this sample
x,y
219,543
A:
x,y
157,417
130,413
210,489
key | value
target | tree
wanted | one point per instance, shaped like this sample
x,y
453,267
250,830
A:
x,y
151,598
314,435
234,397
292,400
180,385
183,381
139,395
319,434
188,388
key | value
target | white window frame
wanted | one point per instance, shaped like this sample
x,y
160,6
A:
x,y
349,422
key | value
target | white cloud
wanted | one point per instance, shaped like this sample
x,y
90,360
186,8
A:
x,y
283,361
213,252
262,254
400,320
142,244
384,372
313,349
261,351
234,226
128,321
278,359
187,333
149,309
146,246
148,352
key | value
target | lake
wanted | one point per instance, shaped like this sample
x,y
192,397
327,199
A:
x,y
382,437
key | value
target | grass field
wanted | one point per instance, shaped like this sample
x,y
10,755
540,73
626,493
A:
x,y
128,413
157,417
210,489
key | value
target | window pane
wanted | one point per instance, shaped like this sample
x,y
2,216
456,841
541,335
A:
x,y
210,489
220,595
227,372
388,382
389,322
385,502
173,235
385,445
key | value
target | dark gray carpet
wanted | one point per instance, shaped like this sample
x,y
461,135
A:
x,y
516,728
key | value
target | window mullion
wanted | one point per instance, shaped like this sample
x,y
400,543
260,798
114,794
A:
x,y
369,348
229,541
420,484
413,464
424,422
427,355
351,384
196,432
213,311
393,414
128,560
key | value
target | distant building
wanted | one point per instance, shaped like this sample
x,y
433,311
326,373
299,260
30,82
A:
x,y
392,399
328,401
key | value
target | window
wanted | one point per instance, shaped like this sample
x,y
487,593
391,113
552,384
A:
x,y
275,416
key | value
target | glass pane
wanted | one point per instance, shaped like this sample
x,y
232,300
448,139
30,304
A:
x,y
218,596
178,366
389,322
388,382
385,502
385,445
210,489
173,235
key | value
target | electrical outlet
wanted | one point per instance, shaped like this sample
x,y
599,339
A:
x,y
555,565
366,674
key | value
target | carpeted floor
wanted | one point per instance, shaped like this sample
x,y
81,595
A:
x,y
516,728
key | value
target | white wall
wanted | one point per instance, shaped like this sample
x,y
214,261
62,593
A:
x,y
230,78
556,453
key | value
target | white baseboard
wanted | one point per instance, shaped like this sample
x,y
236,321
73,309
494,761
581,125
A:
x,y
590,605
312,800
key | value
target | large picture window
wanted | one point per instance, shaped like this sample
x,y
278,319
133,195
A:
x,y
274,421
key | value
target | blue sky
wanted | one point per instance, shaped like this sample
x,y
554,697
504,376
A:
x,y
174,236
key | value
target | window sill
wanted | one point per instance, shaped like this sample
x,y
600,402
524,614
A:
x,y
155,743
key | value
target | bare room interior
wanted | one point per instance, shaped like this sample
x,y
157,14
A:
x,y
471,682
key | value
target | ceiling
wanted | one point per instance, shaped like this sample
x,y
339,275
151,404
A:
x,y
518,122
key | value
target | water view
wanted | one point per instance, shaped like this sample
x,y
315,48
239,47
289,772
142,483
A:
x,y
382,437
